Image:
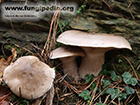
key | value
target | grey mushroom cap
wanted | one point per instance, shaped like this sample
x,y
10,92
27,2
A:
x,y
94,45
68,54
28,77
66,51
83,39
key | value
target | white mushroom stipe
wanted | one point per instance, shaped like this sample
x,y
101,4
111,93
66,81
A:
x,y
29,77
93,61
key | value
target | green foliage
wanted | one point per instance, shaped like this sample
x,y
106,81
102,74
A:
x,y
93,86
24,102
62,25
114,76
89,78
114,92
127,78
81,8
19,100
122,95
106,82
85,94
12,98
4,83
129,90
120,60
54,68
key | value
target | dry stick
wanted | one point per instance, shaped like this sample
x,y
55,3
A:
x,y
79,102
36,47
105,89
119,14
100,100
56,22
118,97
106,99
129,5
94,92
84,103
115,69
47,42
130,65
89,87
130,100
115,96
130,11
72,87
38,54
24,49
107,5
127,99
49,37
5,96
138,93
54,32
92,82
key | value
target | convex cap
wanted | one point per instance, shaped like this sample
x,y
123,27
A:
x,y
94,47
28,77
83,39
68,54
66,51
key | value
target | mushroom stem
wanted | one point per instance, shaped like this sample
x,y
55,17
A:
x,y
93,61
70,66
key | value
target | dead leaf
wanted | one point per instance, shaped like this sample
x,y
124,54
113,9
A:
x,y
13,56
3,65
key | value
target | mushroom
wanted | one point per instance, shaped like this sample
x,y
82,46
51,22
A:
x,y
28,77
94,46
68,54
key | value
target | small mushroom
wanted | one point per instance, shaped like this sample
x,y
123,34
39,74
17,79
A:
x,y
28,77
94,46
68,54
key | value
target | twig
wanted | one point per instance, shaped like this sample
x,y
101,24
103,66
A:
x,y
119,97
37,53
4,97
106,99
92,82
115,96
94,92
107,5
130,100
24,49
130,11
115,69
130,65
98,95
46,46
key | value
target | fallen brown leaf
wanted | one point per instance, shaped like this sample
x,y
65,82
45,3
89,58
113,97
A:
x,y
3,65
